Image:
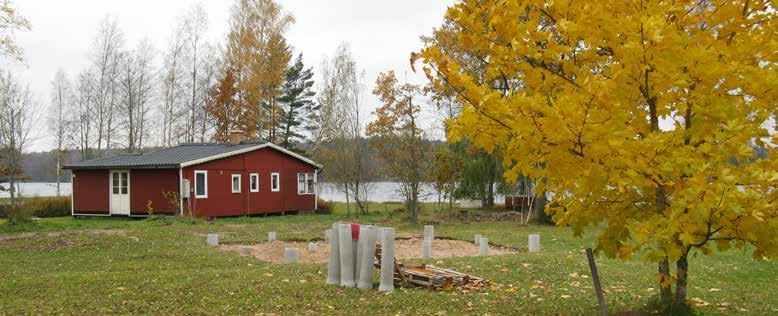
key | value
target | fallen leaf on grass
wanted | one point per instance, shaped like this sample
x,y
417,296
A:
x,y
714,290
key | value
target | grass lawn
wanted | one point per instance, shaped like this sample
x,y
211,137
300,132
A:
x,y
164,266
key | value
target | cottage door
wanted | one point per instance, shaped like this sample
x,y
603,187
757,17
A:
x,y
120,192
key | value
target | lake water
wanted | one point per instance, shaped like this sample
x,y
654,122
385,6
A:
x,y
378,191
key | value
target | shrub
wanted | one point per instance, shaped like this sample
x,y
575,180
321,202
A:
x,y
18,215
48,207
324,207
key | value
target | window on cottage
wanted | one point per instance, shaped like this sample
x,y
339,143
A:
x,y
300,183
311,183
235,183
201,184
306,183
254,182
275,182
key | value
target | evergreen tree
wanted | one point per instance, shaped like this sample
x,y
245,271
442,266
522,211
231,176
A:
x,y
295,101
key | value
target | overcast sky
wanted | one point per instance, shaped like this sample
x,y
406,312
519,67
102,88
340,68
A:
x,y
381,34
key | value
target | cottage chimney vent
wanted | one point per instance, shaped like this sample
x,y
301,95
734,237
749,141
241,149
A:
x,y
237,136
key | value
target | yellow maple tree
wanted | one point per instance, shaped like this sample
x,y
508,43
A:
x,y
654,121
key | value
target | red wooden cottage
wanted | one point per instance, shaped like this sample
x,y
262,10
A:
x,y
232,179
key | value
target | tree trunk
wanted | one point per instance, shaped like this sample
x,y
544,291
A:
x,y
665,293
682,266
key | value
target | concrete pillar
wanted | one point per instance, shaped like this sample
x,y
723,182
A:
x,y
212,239
534,243
291,255
426,249
387,260
429,232
368,257
271,236
360,251
346,256
312,247
333,269
245,251
484,251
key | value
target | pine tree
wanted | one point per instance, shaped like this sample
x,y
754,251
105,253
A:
x,y
295,102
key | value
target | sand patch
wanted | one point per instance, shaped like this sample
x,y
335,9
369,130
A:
x,y
404,249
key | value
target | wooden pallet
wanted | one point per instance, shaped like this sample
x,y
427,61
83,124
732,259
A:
x,y
429,276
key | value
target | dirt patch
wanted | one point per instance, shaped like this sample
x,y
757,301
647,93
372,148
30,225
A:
x,y
403,248
112,232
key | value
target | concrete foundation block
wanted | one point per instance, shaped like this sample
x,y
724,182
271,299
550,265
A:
x,y
212,239
368,257
291,255
312,247
534,243
429,232
346,256
484,250
477,239
387,260
333,268
271,236
426,249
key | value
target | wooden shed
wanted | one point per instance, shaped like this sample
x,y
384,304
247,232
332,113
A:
x,y
203,179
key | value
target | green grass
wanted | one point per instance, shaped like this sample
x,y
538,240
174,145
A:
x,y
164,267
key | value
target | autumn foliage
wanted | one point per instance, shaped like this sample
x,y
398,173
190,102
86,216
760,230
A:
x,y
646,117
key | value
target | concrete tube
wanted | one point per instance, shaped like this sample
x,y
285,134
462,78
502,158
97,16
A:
x,y
368,257
360,251
271,236
477,239
484,251
426,249
534,243
429,232
346,256
291,255
212,239
333,269
387,261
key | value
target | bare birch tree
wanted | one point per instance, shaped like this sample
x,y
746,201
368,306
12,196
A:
x,y
194,24
17,115
81,114
59,123
338,126
106,50
172,91
135,92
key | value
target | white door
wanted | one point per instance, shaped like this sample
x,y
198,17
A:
x,y
120,192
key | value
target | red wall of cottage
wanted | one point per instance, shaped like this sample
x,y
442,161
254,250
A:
x,y
148,185
91,188
222,202
90,191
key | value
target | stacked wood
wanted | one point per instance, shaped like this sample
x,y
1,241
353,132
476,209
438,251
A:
x,y
429,276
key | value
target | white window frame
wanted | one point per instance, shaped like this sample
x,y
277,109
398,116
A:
x,y
232,183
254,179
277,187
205,187
307,176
